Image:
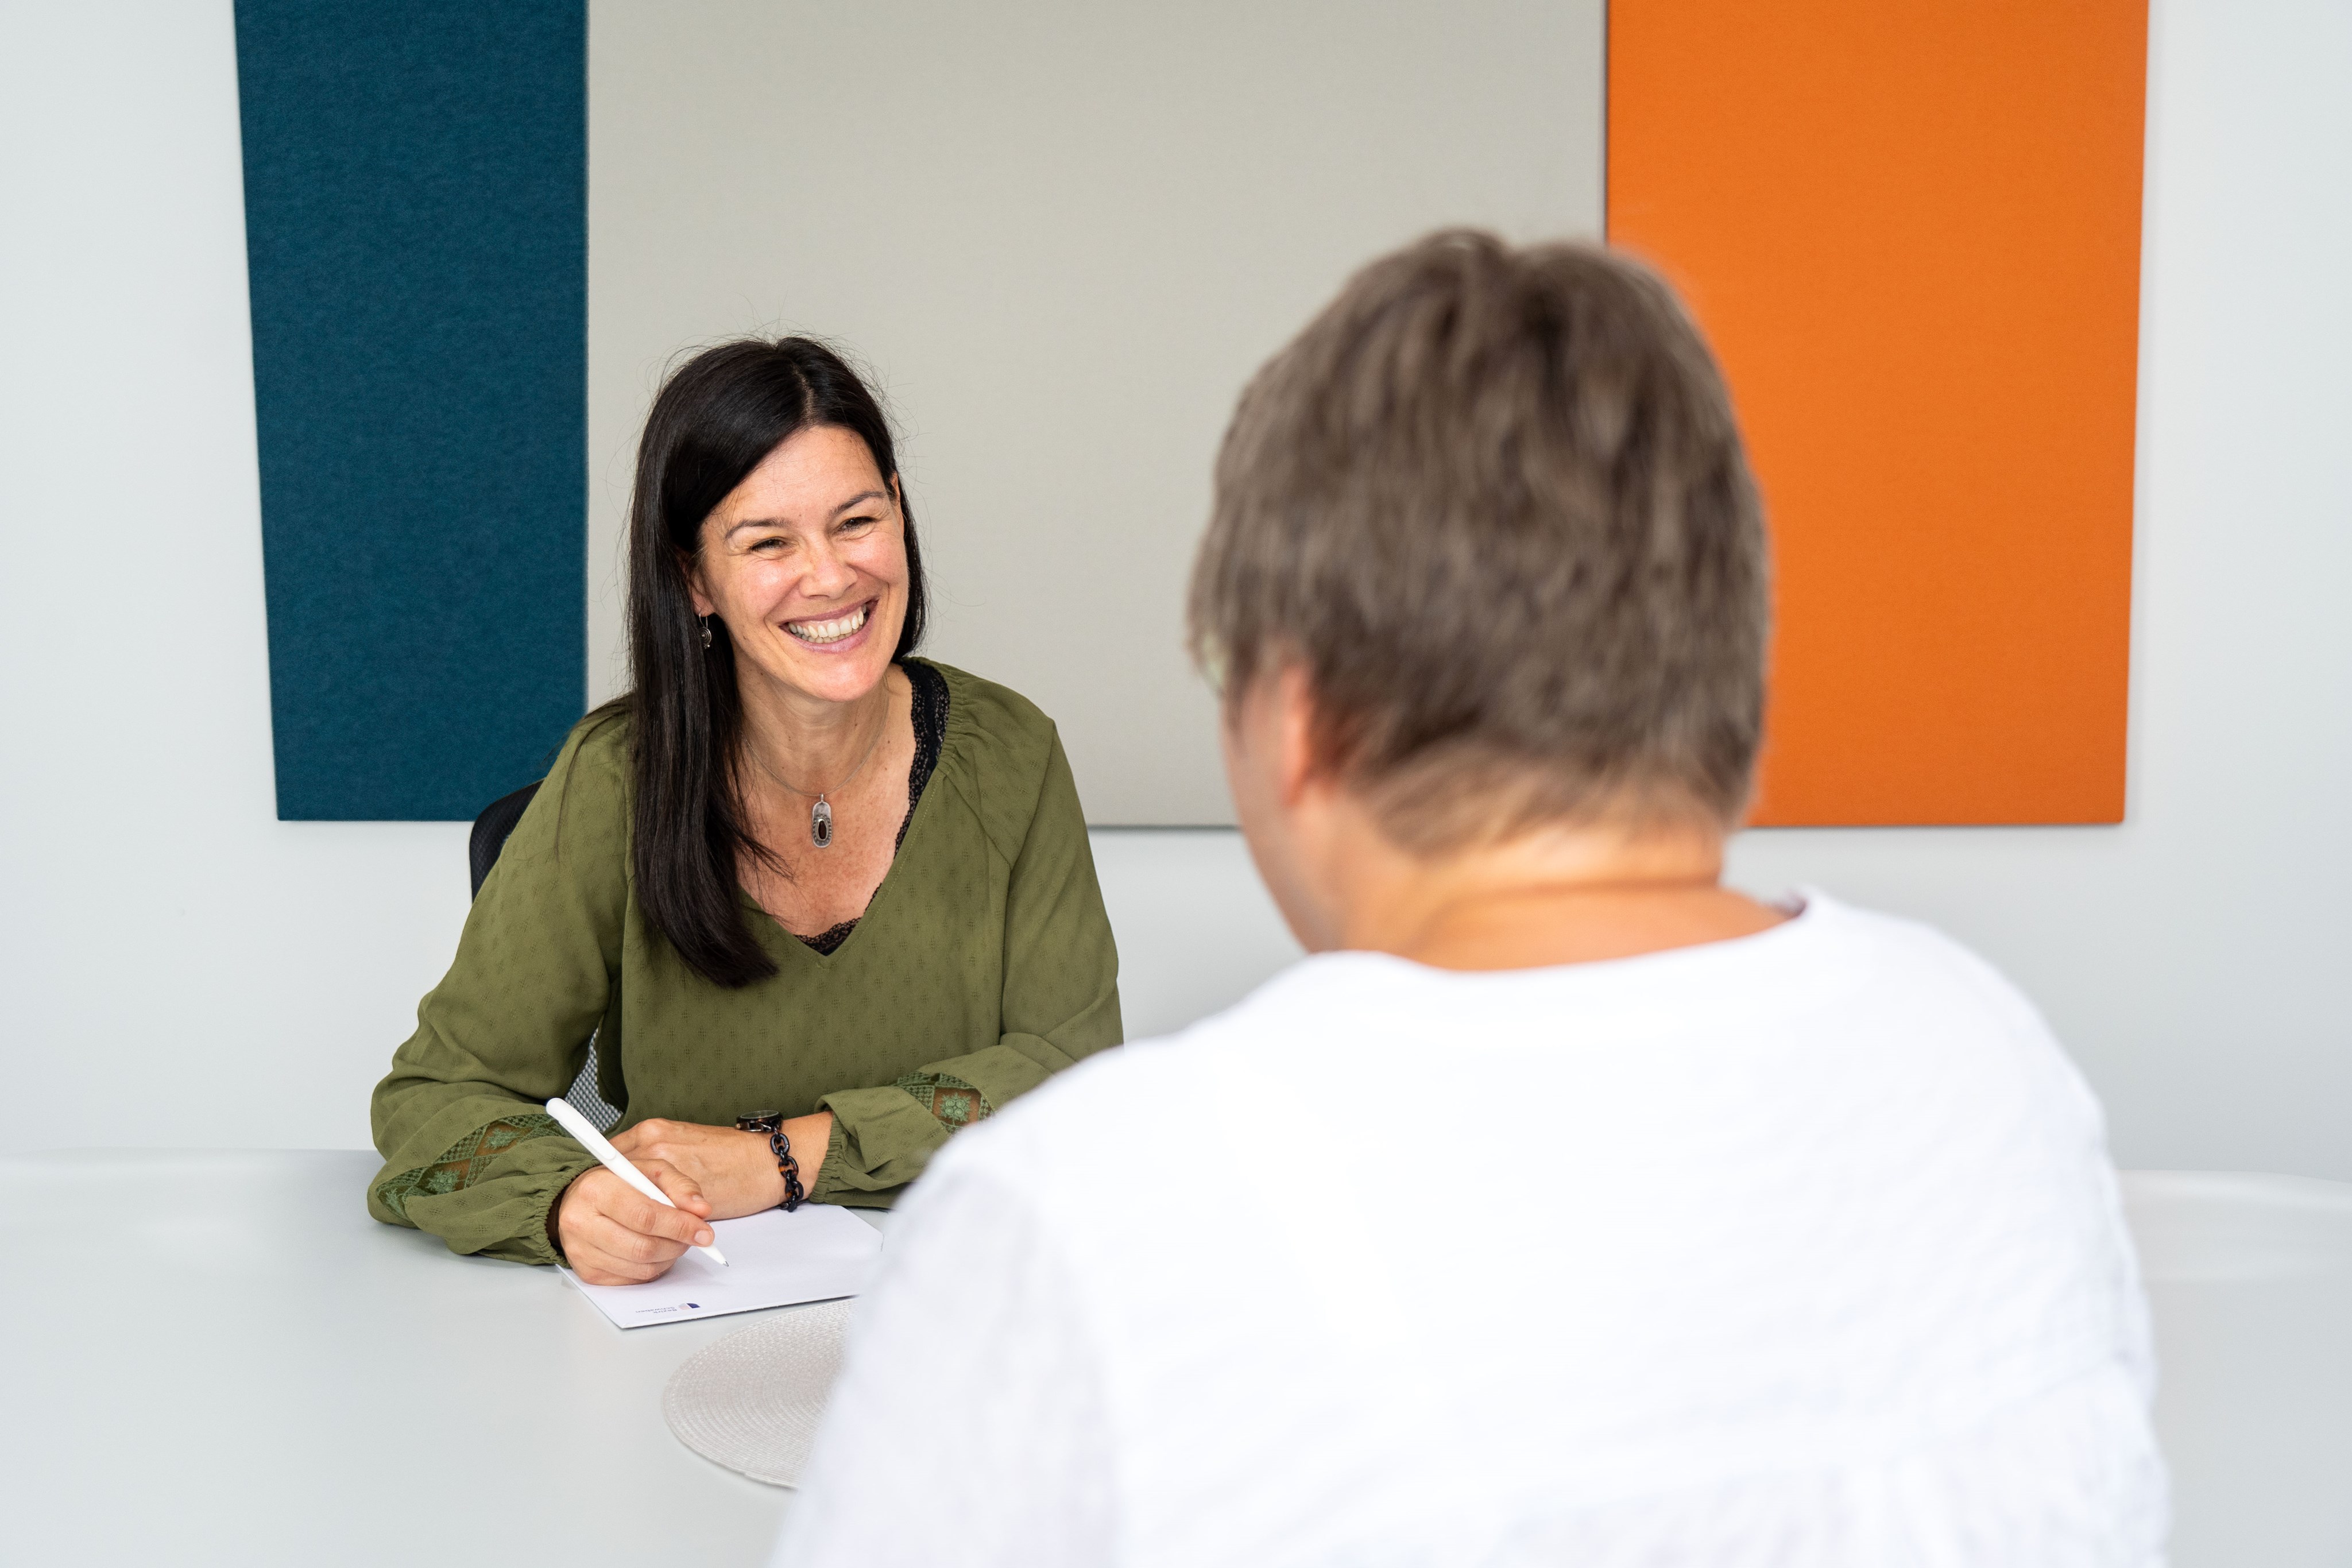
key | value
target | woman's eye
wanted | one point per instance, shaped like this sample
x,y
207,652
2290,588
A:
x,y
858,524
767,546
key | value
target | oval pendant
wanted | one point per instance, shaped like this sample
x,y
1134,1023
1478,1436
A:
x,y
821,823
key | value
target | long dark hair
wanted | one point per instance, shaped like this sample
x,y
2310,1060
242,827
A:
x,y
716,417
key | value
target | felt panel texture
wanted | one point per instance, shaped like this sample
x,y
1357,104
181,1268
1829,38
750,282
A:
x,y
1913,234
416,188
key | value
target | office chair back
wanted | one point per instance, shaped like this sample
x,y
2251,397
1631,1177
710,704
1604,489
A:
x,y
493,827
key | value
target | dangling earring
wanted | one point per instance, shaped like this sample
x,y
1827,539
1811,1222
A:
x,y
706,632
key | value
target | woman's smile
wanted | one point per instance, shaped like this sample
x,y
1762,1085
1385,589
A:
x,y
833,630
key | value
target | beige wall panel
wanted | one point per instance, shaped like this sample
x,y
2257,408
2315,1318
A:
x,y
1062,235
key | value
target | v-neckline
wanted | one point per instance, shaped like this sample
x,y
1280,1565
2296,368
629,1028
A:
x,y
897,855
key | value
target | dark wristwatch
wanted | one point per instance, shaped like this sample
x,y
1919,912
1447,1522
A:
x,y
773,1123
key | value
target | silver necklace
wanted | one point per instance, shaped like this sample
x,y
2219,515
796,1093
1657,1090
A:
x,y
821,814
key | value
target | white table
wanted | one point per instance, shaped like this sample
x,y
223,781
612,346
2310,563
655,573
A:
x,y
2249,1280
220,1358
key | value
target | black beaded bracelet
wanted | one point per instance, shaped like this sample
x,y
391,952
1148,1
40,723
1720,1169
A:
x,y
773,1123
789,1167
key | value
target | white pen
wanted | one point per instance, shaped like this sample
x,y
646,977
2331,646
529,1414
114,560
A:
x,y
614,1160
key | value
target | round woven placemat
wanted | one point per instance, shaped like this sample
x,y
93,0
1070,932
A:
x,y
752,1401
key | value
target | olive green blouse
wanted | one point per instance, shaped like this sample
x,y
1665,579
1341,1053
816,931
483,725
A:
x,y
983,965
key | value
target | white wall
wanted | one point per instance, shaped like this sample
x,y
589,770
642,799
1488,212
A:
x,y
176,967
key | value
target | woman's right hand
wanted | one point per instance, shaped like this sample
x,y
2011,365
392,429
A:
x,y
613,1234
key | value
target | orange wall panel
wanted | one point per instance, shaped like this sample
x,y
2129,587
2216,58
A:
x,y
1912,232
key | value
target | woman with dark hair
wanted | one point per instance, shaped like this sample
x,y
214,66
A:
x,y
819,902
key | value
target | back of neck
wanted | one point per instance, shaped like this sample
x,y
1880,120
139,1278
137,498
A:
x,y
1557,895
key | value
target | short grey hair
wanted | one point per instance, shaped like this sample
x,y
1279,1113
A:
x,y
1494,503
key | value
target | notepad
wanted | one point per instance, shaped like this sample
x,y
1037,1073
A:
x,y
815,1253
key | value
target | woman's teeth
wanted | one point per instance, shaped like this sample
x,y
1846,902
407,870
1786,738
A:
x,y
832,630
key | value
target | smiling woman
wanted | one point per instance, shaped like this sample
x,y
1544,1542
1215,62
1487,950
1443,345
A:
x,y
820,901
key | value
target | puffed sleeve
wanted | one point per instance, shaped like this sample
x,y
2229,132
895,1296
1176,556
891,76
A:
x,y
469,1152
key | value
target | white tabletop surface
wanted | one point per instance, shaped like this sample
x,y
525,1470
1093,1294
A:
x,y
220,1358
2249,1281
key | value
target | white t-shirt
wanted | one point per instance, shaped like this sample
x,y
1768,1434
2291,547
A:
x,y
1800,1249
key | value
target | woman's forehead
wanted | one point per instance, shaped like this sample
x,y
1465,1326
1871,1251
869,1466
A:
x,y
812,474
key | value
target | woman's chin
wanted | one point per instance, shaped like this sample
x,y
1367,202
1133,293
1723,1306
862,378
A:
x,y
841,674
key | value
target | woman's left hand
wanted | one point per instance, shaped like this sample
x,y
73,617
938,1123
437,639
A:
x,y
735,1169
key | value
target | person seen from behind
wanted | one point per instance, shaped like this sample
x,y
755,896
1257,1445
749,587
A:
x,y
1565,1205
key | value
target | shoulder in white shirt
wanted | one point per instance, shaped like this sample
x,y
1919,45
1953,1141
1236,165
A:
x,y
1799,1248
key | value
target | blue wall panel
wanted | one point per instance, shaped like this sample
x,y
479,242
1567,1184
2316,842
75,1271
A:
x,y
415,193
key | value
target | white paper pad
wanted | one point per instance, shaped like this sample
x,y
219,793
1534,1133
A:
x,y
815,1253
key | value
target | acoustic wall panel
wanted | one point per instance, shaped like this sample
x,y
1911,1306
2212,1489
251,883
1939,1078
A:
x,y
415,215
1913,234
1063,234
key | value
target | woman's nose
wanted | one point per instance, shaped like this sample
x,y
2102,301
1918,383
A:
x,y
828,574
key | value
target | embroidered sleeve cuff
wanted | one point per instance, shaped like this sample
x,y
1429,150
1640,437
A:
x,y
488,1192
951,1102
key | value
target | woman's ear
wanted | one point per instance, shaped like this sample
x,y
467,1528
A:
x,y
691,570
